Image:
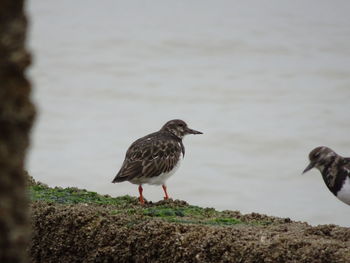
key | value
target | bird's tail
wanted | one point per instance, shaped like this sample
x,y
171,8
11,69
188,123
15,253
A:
x,y
118,179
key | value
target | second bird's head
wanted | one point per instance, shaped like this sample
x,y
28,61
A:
x,y
320,157
179,128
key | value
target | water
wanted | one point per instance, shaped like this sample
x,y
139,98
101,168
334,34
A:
x,y
265,82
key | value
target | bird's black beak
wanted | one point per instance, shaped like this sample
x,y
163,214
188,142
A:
x,y
190,131
309,167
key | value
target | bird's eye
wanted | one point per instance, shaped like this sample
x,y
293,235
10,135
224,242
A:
x,y
181,125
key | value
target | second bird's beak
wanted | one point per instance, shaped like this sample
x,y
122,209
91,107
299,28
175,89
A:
x,y
190,131
309,167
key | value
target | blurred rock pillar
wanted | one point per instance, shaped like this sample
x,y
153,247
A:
x,y
16,118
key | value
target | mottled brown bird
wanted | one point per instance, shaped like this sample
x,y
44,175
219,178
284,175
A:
x,y
154,158
335,171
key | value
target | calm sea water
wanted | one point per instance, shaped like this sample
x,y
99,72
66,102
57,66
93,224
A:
x,y
265,81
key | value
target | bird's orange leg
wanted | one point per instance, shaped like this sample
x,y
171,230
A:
x,y
141,197
166,197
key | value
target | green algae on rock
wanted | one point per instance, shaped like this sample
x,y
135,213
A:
x,y
172,211
72,195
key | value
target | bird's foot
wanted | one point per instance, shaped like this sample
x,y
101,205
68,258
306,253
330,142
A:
x,y
142,201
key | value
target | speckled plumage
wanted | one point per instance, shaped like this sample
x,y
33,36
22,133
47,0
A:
x,y
152,159
151,156
335,171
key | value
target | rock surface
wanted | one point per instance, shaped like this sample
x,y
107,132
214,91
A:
x,y
82,226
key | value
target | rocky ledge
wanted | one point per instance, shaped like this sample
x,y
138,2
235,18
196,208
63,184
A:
x,y
74,225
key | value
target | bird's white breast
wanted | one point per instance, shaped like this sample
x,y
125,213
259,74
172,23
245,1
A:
x,y
344,193
162,178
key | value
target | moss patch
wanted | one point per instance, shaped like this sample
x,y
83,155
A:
x,y
73,195
191,215
193,211
177,212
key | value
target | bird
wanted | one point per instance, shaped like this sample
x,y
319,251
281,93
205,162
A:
x,y
335,171
154,158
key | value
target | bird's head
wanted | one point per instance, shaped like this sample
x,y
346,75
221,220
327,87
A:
x,y
178,128
320,157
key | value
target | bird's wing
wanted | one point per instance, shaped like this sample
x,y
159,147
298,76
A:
x,y
149,157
